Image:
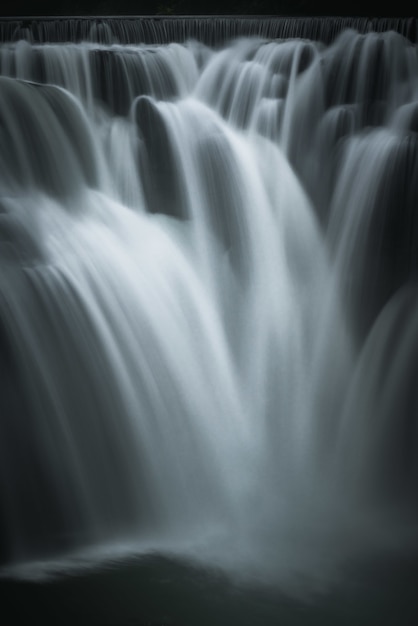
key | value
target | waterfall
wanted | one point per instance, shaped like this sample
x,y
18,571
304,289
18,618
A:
x,y
208,265
211,30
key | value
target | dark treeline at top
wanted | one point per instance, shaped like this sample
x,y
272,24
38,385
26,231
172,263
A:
x,y
368,8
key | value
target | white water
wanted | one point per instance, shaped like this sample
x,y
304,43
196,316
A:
x,y
207,299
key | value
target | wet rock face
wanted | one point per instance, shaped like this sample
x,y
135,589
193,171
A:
x,y
45,142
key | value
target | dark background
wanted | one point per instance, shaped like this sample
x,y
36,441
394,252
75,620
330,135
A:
x,y
368,8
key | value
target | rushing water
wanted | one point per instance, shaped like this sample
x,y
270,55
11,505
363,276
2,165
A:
x,y
208,299
210,30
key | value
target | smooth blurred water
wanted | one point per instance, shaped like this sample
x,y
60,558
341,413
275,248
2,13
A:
x,y
208,302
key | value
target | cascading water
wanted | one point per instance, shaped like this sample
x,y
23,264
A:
x,y
207,297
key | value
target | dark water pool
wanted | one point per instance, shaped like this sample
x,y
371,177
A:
x,y
157,590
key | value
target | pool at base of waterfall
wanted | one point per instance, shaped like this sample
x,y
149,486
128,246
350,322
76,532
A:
x,y
163,590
